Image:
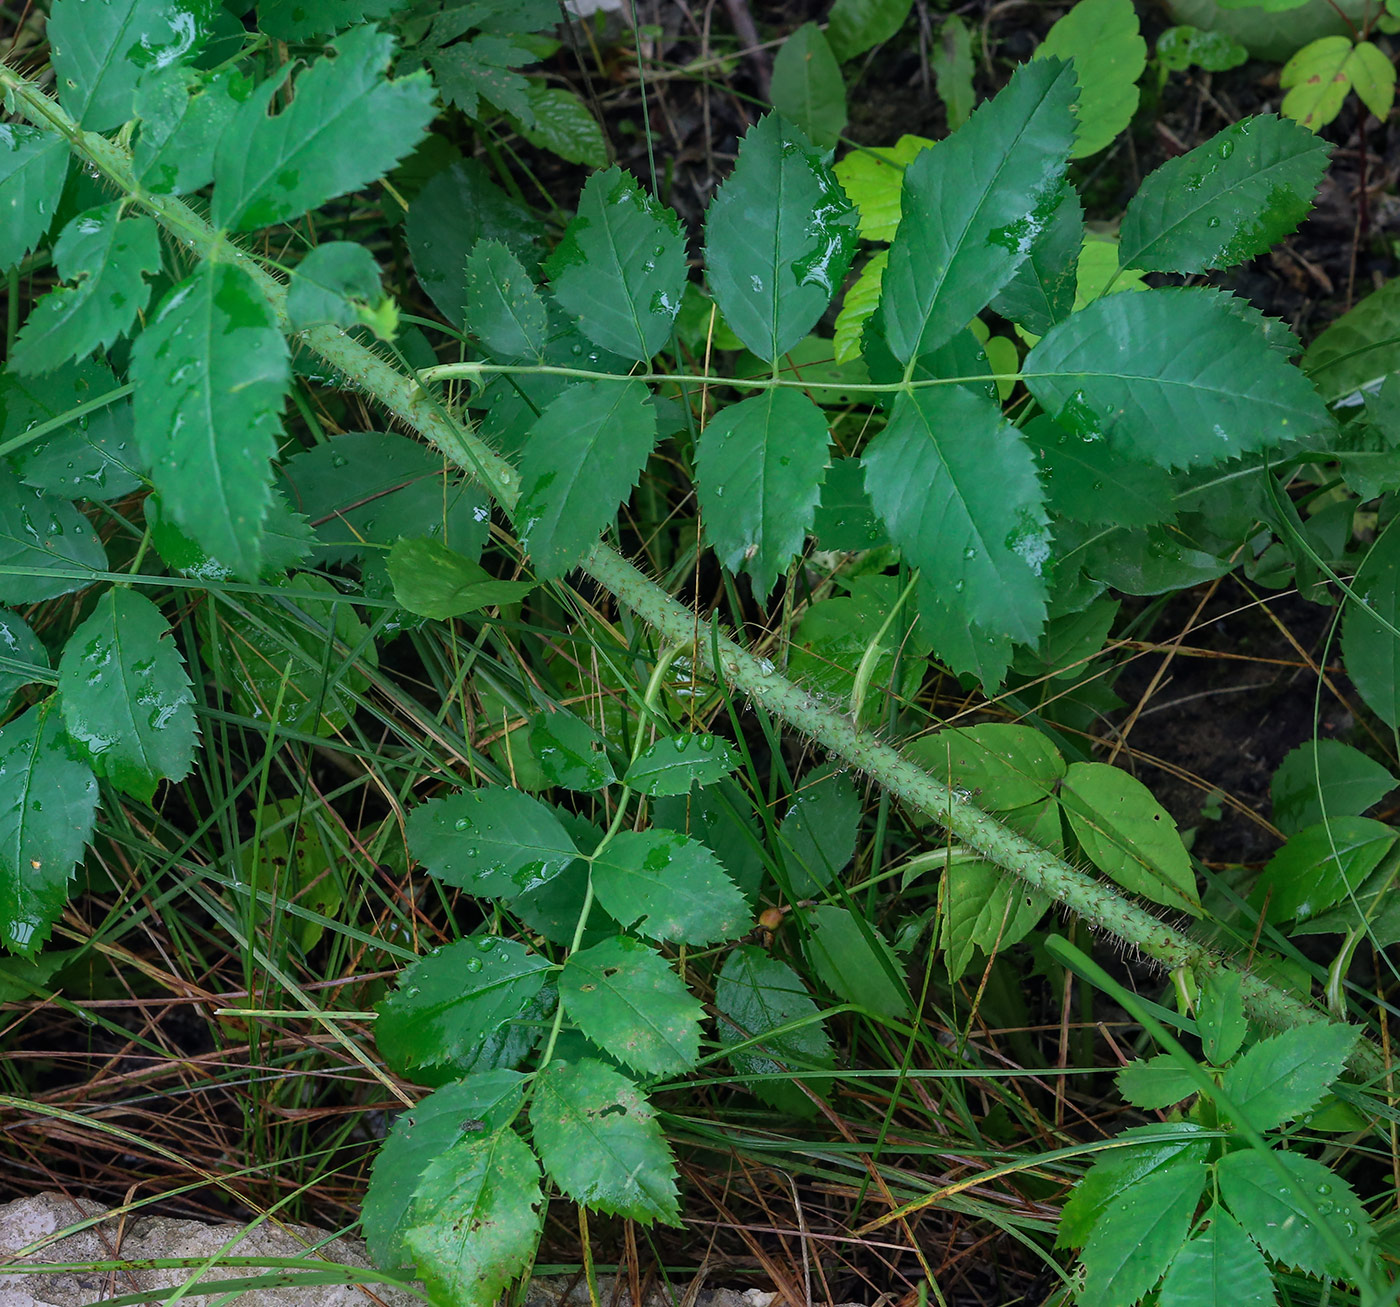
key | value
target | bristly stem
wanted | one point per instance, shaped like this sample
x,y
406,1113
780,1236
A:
x,y
1100,904
472,370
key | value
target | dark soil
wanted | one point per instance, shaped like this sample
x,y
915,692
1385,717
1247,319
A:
x,y
1219,713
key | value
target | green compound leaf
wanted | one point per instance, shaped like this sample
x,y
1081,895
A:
x,y
1317,81
853,26
1369,645
987,908
421,1135
33,165
953,67
125,695
1371,908
1128,835
1318,77
1098,272
1136,1239
299,20
88,456
44,537
331,284
1156,1082
666,886
47,803
1071,639
287,542
494,843
481,68
1360,348
211,372
833,643
280,652
101,50
1178,48
23,655
874,180
962,647
583,455
719,815
109,257
756,994
854,961
1282,1077
600,1142
1220,1267
620,268
561,123
1273,1217
1109,54
1320,866
1041,291
819,832
672,766
1091,481
760,465
21,979
778,239
182,114
1326,778
431,580
476,1218
451,1001
456,209
956,487
624,996
1001,766
505,310
857,308
346,127
1136,1155
1151,561
1229,199
1373,78
972,207
570,752
552,910
807,86
369,488
1174,377
1220,1016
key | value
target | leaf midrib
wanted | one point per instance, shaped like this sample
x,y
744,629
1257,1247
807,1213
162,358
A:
x,y
1127,258
105,63
954,247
